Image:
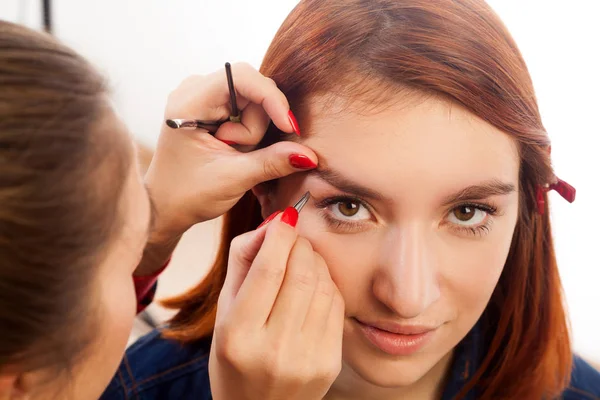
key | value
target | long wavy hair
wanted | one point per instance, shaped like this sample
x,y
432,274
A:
x,y
460,50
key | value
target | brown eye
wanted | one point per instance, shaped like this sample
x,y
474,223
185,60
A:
x,y
348,208
464,213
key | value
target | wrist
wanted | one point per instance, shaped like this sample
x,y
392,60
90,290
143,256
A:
x,y
157,254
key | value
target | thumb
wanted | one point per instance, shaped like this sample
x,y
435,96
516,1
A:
x,y
242,252
276,161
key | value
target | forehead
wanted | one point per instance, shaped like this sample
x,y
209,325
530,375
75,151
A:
x,y
418,144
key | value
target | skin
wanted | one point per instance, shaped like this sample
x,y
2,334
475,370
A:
x,y
405,258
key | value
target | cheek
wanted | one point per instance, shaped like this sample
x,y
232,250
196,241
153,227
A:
x,y
120,308
470,271
347,257
118,314
115,314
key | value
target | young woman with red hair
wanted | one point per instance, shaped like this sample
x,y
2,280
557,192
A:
x,y
428,217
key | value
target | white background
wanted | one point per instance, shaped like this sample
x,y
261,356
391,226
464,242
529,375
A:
x,y
145,47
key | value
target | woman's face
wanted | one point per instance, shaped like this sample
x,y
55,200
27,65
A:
x,y
413,209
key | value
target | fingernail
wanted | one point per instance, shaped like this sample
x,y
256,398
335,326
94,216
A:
x,y
269,219
301,161
294,122
290,216
229,142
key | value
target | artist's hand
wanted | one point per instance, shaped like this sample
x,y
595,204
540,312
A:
x,y
279,325
195,177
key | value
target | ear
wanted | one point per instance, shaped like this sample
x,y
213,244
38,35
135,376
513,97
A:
x,y
10,387
264,192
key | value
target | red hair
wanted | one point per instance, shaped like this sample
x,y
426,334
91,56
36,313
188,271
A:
x,y
458,49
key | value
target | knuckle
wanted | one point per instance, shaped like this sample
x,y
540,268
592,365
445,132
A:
x,y
243,68
304,245
271,81
256,130
236,245
229,346
273,170
330,373
293,374
326,288
275,367
303,271
270,273
303,280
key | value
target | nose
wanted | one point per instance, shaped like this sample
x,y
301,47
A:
x,y
406,280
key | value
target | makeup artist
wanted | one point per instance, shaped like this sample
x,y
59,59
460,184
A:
x,y
76,220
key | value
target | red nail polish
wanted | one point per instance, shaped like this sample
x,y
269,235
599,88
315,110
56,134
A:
x,y
294,122
229,142
269,219
301,161
290,216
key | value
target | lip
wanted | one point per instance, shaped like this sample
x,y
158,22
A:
x,y
395,339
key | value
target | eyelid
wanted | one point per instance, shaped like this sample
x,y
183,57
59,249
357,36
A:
x,y
487,207
343,198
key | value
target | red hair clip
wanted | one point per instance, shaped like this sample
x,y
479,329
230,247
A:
x,y
563,188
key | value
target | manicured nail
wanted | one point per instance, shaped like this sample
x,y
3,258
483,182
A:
x,y
229,142
290,216
269,218
294,122
301,161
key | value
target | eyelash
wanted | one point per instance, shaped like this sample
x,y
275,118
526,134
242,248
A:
x,y
351,226
482,229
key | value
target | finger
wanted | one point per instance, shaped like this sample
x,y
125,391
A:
x,y
259,89
243,250
207,97
276,161
250,131
318,314
258,292
332,338
200,97
299,284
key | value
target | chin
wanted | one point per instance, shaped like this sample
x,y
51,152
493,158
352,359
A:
x,y
382,371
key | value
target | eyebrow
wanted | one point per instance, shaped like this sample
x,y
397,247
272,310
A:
x,y
335,179
480,191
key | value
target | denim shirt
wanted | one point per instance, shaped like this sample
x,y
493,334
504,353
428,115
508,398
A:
x,y
157,368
